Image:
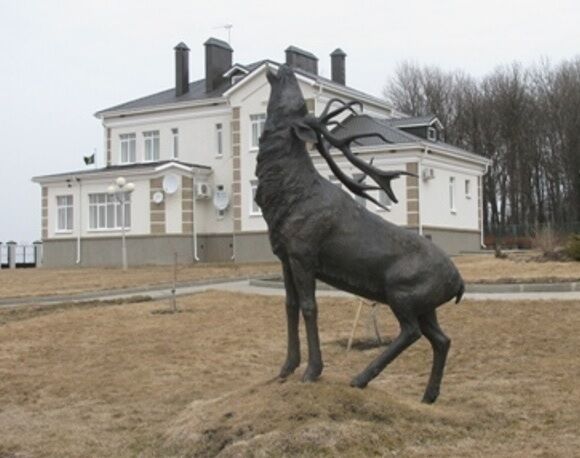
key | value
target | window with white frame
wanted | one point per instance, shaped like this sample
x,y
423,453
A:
x,y
257,122
432,134
254,208
452,194
151,139
468,189
64,210
106,212
219,139
175,144
128,149
384,199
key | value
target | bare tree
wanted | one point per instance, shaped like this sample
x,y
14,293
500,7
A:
x,y
526,120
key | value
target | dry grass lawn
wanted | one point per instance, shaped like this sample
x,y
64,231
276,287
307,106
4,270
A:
x,y
121,381
516,268
47,282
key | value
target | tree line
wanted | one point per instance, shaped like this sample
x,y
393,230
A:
x,y
525,119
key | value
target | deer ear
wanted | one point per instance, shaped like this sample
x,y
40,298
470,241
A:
x,y
304,132
272,77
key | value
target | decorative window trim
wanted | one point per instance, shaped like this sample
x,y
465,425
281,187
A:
x,y
100,204
175,143
431,134
452,201
128,147
384,199
151,146
254,209
64,207
468,189
219,139
257,121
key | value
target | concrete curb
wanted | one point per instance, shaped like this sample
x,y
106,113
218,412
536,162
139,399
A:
x,y
116,293
478,288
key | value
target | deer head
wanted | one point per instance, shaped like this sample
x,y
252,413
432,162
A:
x,y
287,107
318,127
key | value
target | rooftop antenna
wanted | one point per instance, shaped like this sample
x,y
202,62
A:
x,y
228,27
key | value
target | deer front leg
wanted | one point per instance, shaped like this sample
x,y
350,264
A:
x,y
305,285
292,317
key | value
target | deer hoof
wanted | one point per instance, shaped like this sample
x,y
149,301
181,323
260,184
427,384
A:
x,y
359,382
430,396
288,369
311,374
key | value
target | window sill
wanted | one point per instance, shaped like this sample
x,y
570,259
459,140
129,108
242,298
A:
x,y
468,196
255,215
57,232
112,229
453,211
253,149
219,156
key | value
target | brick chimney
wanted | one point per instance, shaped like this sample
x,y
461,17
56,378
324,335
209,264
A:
x,y
181,69
337,60
298,58
218,59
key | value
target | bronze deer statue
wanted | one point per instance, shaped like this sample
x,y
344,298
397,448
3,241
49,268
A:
x,y
320,232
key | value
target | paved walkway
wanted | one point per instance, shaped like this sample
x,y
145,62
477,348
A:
x,y
245,286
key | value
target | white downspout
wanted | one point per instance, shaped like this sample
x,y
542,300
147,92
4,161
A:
x,y
420,190
79,228
193,228
233,258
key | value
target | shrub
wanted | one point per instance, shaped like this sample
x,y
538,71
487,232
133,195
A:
x,y
547,241
573,247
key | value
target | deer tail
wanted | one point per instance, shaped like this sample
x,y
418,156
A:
x,y
460,292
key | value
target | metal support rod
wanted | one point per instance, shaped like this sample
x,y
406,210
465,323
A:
x,y
356,318
124,241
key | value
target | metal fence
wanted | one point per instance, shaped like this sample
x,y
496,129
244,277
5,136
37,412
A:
x,y
20,256
528,235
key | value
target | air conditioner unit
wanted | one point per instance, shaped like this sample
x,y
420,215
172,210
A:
x,y
428,173
202,191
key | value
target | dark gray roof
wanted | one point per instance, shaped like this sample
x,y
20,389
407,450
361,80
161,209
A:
x,y
362,124
120,168
411,121
365,124
197,91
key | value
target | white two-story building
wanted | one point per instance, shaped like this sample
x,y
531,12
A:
x,y
190,152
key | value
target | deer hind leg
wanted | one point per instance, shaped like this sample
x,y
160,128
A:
x,y
440,343
292,317
409,334
304,286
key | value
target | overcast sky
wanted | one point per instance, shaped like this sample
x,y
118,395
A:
x,y
61,61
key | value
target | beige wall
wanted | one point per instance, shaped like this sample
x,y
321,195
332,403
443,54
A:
x,y
197,145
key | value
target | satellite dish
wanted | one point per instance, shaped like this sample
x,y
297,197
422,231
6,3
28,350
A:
x,y
221,200
158,197
170,183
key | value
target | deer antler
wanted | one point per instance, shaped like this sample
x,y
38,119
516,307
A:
x,y
356,187
325,116
381,177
